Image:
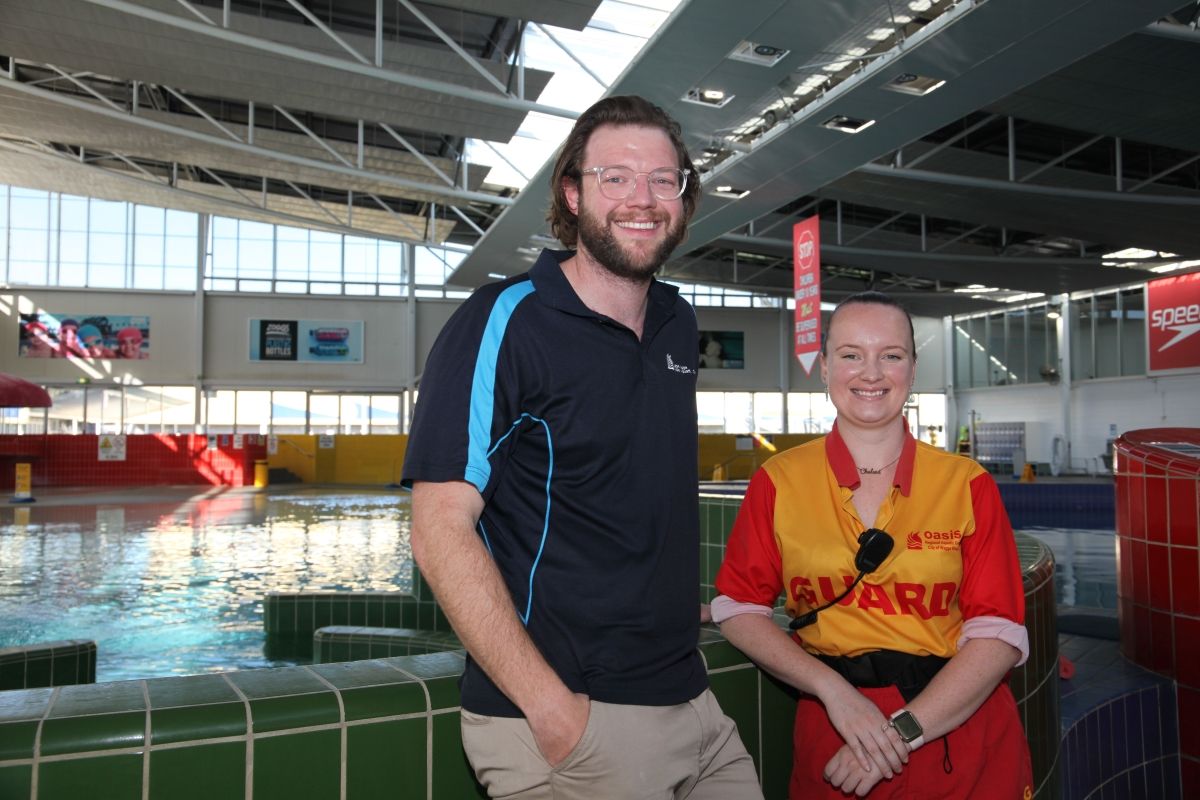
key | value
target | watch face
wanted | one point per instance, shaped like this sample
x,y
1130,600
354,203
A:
x,y
907,726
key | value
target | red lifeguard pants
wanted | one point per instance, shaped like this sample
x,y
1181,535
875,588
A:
x,y
988,755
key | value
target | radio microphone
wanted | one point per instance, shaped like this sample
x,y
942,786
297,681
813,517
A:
x,y
874,546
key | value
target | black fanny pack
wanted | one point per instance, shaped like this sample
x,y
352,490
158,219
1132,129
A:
x,y
908,673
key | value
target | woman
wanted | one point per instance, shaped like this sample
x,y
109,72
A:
x,y
902,679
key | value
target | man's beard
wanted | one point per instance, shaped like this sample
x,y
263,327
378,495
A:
x,y
598,239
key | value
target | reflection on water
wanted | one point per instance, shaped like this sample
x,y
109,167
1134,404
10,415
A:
x,y
1085,566
176,589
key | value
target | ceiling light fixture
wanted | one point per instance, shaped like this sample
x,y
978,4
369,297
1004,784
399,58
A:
x,y
764,55
730,192
713,98
916,85
847,124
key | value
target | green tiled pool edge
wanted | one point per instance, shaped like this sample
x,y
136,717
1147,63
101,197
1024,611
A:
x,y
62,663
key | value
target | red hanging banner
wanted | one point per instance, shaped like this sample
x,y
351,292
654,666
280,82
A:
x,y
806,254
1173,323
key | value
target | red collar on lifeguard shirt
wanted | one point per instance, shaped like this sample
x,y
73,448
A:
x,y
846,471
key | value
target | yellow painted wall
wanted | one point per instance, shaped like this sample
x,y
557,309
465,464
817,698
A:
x,y
373,459
363,460
297,454
720,450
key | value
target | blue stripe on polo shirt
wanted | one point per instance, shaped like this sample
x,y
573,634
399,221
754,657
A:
x,y
483,384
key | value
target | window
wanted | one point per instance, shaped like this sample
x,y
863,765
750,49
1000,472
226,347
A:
x,y
810,412
1015,346
259,257
385,413
54,239
289,412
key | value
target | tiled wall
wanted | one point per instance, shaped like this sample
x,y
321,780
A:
x,y
355,643
150,459
1087,504
364,729
1033,684
1158,569
293,617
64,663
1120,733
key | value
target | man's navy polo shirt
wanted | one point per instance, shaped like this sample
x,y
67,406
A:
x,y
582,441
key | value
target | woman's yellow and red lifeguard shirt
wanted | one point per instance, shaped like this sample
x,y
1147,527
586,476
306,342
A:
x,y
954,557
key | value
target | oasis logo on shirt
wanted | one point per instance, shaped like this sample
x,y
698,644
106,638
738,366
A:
x,y
933,540
671,365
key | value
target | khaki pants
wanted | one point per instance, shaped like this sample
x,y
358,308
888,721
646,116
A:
x,y
690,751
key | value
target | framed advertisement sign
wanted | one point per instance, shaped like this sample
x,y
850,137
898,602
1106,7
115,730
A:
x,y
1173,324
336,341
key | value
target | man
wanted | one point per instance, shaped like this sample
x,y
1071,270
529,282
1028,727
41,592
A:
x,y
555,513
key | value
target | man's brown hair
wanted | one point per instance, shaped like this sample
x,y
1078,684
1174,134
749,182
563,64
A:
x,y
619,110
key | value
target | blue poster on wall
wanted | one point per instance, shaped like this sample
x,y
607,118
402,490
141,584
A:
x,y
335,341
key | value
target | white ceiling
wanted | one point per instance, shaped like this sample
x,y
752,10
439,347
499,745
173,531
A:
x,y
1005,176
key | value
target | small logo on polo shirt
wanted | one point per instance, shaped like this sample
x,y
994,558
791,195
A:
x,y
933,540
671,365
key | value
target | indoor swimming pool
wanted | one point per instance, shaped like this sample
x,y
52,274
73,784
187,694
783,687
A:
x,y
176,588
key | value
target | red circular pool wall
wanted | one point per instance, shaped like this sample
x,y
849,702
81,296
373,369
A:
x,y
1158,569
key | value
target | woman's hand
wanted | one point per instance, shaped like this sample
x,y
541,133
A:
x,y
846,773
864,729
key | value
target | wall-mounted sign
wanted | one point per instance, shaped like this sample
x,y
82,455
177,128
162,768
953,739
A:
x,y
722,349
806,252
111,447
325,441
338,341
1173,323
87,336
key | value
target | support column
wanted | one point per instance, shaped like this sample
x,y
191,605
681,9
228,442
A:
x,y
202,224
951,432
785,362
1064,380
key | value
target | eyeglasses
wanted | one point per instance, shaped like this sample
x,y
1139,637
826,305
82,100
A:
x,y
619,183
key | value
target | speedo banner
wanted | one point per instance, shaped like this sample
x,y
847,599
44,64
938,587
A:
x,y
1173,323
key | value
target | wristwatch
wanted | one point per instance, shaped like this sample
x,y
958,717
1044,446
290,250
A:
x,y
909,729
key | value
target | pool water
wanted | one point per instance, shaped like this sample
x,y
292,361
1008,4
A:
x,y
176,588
1085,567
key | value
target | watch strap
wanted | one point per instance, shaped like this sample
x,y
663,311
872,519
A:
x,y
913,744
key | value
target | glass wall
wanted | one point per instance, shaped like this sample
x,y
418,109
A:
x,y
1108,334
807,412
119,409
54,239
1003,348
